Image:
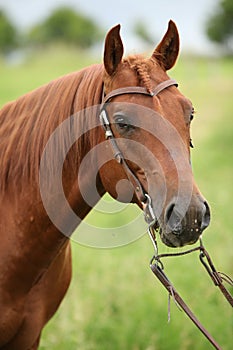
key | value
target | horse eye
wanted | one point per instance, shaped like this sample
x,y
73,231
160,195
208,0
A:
x,y
122,123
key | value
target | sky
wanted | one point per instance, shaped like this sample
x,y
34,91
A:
x,y
189,15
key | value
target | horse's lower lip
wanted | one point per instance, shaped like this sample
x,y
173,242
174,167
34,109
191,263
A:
x,y
166,239
174,240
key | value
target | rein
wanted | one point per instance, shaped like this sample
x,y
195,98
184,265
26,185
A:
x,y
156,264
157,267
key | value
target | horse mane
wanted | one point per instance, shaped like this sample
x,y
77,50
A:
x,y
140,66
27,123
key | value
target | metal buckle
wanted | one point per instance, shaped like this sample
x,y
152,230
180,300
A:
x,y
151,220
104,119
148,211
106,124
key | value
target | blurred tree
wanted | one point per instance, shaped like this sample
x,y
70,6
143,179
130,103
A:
x,y
141,31
8,34
219,26
66,25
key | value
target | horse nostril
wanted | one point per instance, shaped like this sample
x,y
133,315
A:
x,y
173,219
206,217
195,219
169,212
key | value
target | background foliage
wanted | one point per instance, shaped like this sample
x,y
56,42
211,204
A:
x,y
63,25
219,26
72,27
68,26
8,34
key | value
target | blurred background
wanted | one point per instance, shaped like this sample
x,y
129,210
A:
x,y
114,302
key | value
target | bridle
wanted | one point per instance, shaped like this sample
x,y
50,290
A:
x,y
104,119
144,199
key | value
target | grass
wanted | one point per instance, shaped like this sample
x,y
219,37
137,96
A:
x,y
114,302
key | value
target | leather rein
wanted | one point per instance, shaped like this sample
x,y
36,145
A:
x,y
156,264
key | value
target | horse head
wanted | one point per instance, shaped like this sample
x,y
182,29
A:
x,y
151,126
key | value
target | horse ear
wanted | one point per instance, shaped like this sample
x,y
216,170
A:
x,y
113,50
167,50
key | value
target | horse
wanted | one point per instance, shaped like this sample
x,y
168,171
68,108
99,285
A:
x,y
148,119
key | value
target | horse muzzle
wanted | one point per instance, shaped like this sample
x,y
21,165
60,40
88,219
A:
x,y
179,228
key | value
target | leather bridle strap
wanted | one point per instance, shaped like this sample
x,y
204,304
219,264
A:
x,y
138,90
138,189
157,268
158,272
139,192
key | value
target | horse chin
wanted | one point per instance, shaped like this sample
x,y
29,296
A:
x,y
174,240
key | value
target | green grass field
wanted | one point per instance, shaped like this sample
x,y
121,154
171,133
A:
x,y
114,301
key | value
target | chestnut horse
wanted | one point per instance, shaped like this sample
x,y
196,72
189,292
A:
x,y
35,258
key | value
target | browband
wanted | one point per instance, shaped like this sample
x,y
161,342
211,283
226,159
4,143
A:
x,y
139,90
